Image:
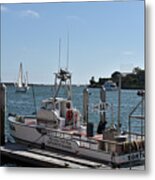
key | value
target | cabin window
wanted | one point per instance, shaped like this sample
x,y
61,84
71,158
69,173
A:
x,y
57,106
43,106
49,106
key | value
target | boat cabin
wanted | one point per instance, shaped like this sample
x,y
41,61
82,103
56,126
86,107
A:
x,y
58,113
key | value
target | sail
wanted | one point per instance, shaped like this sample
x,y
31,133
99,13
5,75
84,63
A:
x,y
20,76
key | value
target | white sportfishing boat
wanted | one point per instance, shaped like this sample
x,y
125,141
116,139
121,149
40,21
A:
x,y
110,86
58,125
21,85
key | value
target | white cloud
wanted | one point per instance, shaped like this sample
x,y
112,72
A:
x,y
4,9
30,13
26,13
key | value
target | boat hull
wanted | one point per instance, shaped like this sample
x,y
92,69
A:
x,y
62,141
35,135
21,89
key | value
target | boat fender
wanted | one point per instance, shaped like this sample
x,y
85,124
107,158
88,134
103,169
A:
x,y
69,115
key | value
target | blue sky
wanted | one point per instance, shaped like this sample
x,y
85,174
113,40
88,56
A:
x,y
104,37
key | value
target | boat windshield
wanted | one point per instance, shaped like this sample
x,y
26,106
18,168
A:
x,y
47,106
57,106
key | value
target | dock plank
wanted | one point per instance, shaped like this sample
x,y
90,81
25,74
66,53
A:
x,y
47,158
73,159
37,159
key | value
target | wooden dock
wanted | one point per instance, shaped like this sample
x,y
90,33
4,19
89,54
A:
x,y
2,113
35,157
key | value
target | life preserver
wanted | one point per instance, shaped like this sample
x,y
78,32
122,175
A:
x,y
69,115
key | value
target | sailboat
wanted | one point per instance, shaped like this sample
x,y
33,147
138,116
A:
x,y
20,85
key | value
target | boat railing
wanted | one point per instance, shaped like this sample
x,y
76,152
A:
x,y
138,118
106,146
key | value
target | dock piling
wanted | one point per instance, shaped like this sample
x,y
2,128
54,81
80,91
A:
x,y
85,105
2,114
102,123
103,100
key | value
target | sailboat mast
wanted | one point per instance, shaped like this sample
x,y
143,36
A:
x,y
26,82
20,76
67,51
21,73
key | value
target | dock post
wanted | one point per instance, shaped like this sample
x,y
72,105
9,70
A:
x,y
119,103
103,122
103,100
85,105
2,114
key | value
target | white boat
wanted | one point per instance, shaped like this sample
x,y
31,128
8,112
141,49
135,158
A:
x,y
60,126
110,86
21,85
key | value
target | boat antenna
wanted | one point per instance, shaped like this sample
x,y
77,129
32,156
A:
x,y
67,50
59,54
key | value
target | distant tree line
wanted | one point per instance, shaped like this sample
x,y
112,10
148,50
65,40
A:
x,y
133,80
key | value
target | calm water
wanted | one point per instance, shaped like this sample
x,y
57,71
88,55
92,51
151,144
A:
x,y
23,103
